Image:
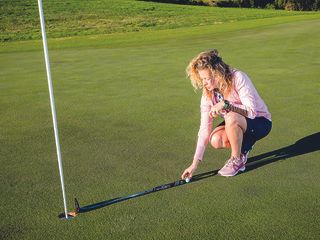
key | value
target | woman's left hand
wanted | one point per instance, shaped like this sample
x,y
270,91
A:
x,y
216,109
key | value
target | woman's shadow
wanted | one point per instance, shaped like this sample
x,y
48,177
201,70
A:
x,y
304,145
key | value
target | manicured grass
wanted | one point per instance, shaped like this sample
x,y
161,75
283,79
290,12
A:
x,y
128,119
20,18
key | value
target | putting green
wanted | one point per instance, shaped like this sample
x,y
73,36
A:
x,y
128,120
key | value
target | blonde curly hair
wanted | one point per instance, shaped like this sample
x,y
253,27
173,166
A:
x,y
212,61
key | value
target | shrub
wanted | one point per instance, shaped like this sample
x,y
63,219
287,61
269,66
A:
x,y
270,6
291,6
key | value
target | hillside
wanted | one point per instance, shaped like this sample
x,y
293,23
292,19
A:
x,y
20,19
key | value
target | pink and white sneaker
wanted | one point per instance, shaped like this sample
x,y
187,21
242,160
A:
x,y
232,167
244,158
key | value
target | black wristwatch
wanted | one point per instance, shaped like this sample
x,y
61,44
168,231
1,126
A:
x,y
227,105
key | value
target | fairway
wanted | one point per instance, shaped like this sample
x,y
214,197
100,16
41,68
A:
x,y
128,120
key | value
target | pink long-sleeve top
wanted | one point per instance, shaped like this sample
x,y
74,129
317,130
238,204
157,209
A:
x,y
243,95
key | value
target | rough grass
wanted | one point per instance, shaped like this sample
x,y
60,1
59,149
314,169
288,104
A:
x,y
20,18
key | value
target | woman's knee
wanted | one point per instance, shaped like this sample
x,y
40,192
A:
x,y
219,140
235,120
216,141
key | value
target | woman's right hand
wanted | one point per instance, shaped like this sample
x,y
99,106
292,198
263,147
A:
x,y
216,109
189,171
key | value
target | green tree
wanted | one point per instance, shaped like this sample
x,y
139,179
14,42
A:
x,y
305,5
308,5
316,5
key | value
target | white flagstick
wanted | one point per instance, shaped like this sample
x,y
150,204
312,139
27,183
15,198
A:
x,y
54,118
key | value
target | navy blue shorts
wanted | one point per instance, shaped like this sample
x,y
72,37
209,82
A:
x,y
257,128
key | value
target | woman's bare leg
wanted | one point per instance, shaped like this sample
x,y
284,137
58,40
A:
x,y
218,138
235,127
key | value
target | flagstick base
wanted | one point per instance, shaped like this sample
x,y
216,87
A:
x,y
71,215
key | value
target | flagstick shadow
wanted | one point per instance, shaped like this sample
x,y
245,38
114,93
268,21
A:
x,y
304,145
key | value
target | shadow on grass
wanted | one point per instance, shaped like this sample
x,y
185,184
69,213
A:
x,y
181,2
304,145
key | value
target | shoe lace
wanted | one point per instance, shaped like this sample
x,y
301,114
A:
x,y
232,160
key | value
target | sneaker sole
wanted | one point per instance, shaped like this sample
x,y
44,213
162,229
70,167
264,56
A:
x,y
231,175
240,170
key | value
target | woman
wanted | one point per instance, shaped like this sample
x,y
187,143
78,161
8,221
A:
x,y
228,93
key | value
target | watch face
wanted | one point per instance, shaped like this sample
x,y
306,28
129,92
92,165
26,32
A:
x,y
218,96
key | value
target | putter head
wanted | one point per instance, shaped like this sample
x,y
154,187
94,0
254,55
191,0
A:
x,y
76,205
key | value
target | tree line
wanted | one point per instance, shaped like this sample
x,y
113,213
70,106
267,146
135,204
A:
x,y
291,5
